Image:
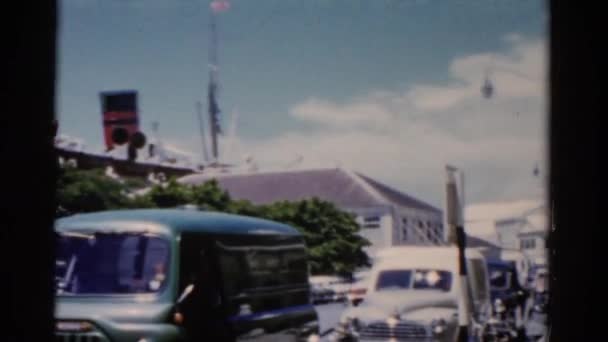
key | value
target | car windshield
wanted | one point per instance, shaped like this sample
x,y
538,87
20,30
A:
x,y
427,279
104,263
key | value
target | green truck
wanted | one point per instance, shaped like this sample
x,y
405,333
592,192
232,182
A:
x,y
180,275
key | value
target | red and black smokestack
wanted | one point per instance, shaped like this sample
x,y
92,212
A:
x,y
121,121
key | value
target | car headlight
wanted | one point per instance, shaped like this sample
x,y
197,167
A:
x,y
392,321
439,326
313,338
348,326
344,326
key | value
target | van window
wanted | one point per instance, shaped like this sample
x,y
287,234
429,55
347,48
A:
x,y
265,277
104,263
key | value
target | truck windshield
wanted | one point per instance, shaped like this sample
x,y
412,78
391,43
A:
x,y
110,263
414,279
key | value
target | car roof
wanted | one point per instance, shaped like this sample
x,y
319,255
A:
x,y
445,257
176,220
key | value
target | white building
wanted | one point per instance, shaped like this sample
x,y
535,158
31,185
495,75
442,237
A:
x,y
532,236
481,220
387,216
518,228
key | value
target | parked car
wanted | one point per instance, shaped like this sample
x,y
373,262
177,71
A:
x,y
358,289
180,275
413,293
321,294
508,299
341,287
337,286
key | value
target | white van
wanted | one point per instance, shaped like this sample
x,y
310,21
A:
x,y
413,293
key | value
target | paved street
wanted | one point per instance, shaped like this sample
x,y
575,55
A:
x,y
329,315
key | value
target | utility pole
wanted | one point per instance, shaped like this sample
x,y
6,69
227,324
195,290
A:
x,y
456,235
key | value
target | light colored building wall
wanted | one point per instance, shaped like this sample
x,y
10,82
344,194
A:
x,y
507,231
412,226
534,247
376,226
391,226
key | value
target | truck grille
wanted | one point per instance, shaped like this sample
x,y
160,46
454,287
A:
x,y
80,337
403,331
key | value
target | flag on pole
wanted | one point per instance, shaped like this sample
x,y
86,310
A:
x,y
220,6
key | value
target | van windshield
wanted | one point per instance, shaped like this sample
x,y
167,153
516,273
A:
x,y
110,263
427,279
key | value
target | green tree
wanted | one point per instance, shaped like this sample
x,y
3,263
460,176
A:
x,y
245,208
168,195
89,190
331,234
209,196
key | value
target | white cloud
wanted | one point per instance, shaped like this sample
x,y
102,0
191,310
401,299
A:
x,y
358,113
518,74
405,139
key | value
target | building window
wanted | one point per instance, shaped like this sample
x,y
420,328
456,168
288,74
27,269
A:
x,y
371,222
372,219
403,229
528,243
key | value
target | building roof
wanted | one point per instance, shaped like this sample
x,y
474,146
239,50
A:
x,y
342,187
397,197
476,242
178,220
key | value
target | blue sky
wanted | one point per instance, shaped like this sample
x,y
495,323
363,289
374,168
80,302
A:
x,y
309,74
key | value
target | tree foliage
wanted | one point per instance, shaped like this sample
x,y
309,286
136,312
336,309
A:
x,y
86,191
331,234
